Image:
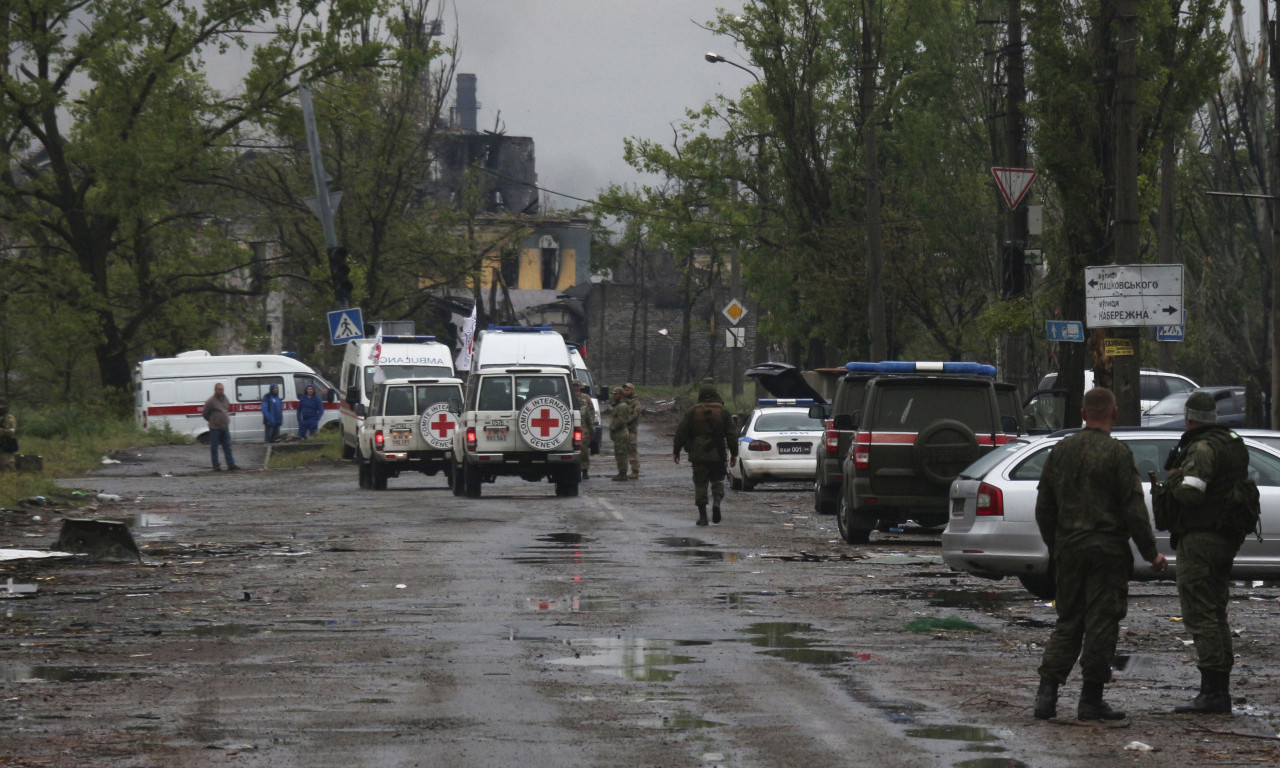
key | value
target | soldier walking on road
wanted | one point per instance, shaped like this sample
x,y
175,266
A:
x,y
588,412
1089,505
708,434
8,439
619,433
633,428
1208,506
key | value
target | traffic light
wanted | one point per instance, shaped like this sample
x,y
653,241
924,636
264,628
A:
x,y
340,272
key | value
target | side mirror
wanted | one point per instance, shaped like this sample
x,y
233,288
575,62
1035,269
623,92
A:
x,y
353,396
331,395
817,412
360,410
844,422
1009,424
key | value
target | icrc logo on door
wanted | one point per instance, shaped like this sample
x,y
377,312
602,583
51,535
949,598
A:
x,y
545,423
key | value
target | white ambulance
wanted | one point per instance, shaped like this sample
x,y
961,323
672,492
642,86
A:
x,y
171,392
402,357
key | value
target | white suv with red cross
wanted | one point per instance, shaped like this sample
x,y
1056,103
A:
x,y
409,425
519,416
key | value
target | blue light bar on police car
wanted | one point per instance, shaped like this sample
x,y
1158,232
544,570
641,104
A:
x,y
520,328
785,401
899,366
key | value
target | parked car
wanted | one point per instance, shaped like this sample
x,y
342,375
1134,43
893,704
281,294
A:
x,y
1169,412
992,529
918,425
777,442
1153,385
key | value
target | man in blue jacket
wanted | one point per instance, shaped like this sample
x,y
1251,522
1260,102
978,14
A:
x,y
310,409
272,413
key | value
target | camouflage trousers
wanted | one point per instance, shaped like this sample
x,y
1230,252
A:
x,y
1093,596
1204,573
705,472
585,454
624,450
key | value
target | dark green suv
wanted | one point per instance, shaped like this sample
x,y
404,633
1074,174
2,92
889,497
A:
x,y
917,426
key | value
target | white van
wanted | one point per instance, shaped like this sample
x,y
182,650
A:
x,y
171,392
583,377
403,357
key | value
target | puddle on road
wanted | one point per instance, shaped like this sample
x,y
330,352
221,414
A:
x,y
978,600
952,733
734,600
1138,665
778,637
221,630
639,659
43,673
699,549
991,762
678,723
576,604
558,549
900,558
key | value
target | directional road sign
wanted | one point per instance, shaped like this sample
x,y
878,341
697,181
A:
x,y
1065,330
1133,295
345,325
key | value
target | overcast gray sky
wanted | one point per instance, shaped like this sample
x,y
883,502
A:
x,y
579,76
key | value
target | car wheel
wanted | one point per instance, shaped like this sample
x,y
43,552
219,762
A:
x,y
362,470
348,451
1039,584
943,449
747,483
825,499
377,475
456,481
567,482
847,532
471,480
735,482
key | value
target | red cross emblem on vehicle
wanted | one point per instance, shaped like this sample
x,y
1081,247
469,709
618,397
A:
x,y
443,425
545,422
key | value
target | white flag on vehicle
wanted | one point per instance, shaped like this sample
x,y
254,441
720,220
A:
x,y
378,375
467,342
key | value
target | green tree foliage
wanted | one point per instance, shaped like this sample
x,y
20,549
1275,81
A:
x,y
113,141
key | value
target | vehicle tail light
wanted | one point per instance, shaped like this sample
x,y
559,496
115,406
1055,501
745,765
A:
x,y
862,450
379,441
471,439
990,501
759,445
831,438
577,438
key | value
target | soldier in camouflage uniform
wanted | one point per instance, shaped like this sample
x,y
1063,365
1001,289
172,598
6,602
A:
x,y
708,434
1089,505
619,432
8,432
633,429
1204,472
588,412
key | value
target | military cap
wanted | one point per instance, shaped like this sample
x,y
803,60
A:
x,y
628,385
1201,408
615,391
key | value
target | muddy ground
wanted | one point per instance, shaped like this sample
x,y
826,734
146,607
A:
x,y
288,618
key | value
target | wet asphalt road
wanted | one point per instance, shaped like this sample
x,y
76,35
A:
x,y
288,618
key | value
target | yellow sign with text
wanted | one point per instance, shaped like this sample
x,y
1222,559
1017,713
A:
x,y
1118,347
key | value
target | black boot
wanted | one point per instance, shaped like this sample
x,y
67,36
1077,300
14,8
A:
x,y
715,511
1092,707
1046,699
1214,697
702,514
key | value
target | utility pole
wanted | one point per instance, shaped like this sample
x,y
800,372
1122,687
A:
x,y
1274,203
1013,256
1126,368
876,320
339,269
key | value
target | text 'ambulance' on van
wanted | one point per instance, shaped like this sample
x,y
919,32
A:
x,y
170,392
399,357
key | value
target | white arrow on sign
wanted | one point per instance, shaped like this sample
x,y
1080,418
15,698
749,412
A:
x,y
1014,183
1133,295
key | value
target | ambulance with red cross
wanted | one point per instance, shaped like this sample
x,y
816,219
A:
x,y
519,417
408,427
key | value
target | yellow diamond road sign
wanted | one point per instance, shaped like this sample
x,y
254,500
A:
x,y
734,311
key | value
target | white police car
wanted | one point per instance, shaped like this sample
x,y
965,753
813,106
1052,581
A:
x,y
777,442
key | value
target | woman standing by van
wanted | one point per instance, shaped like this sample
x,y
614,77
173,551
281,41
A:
x,y
310,409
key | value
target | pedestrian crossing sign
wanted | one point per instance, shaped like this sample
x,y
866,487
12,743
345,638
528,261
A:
x,y
345,325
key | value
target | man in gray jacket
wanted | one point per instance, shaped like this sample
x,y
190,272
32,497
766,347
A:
x,y
217,411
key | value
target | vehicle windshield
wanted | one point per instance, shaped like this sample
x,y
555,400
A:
x,y
798,421
911,408
979,469
1171,405
405,372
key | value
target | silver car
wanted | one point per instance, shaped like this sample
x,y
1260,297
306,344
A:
x,y
992,528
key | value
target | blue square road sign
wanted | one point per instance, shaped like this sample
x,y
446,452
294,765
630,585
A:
x,y
345,325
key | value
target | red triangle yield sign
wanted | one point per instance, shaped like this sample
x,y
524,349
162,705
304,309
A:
x,y
1013,183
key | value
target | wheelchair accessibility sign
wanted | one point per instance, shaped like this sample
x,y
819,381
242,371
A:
x,y
345,325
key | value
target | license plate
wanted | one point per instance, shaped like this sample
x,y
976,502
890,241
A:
x,y
495,433
793,448
401,437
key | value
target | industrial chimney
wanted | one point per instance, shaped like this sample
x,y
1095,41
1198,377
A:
x,y
466,104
